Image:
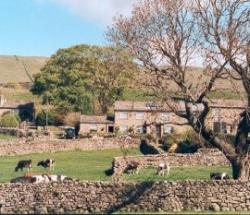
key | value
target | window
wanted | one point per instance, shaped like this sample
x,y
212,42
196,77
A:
x,y
139,115
123,128
216,114
165,116
93,127
168,129
220,127
139,129
123,115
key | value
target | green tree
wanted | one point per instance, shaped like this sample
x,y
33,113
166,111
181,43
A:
x,y
110,70
75,77
51,116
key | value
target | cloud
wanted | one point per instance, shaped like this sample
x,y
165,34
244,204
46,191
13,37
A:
x,y
97,11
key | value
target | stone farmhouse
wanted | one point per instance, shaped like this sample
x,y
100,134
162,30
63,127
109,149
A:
x,y
225,115
153,118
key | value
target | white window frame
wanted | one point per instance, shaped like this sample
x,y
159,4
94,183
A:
x,y
139,115
123,115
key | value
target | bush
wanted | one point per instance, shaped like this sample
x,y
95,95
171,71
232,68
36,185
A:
x,y
146,148
191,136
72,119
187,147
10,119
53,118
187,142
167,141
149,137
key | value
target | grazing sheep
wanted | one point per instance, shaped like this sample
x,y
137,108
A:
x,y
162,168
47,163
219,176
44,178
133,167
23,164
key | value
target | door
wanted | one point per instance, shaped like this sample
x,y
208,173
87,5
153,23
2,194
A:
x,y
158,130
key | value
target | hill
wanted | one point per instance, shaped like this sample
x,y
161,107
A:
x,y
20,69
17,69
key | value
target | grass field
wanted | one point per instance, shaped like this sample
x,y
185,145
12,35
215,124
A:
x,y
7,137
15,69
18,94
92,165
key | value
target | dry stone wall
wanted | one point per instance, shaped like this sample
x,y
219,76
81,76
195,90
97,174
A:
x,y
204,157
13,131
107,197
42,145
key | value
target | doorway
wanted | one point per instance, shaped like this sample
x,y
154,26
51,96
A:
x,y
158,130
110,129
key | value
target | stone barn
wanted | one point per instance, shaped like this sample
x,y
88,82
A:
x,y
96,124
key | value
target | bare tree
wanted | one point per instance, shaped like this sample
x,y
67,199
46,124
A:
x,y
225,25
165,37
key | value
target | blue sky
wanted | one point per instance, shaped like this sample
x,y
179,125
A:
x,y
41,27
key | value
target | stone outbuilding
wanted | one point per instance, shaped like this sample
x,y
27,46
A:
x,y
96,124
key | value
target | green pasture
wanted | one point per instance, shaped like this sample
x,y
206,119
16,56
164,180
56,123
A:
x,y
91,166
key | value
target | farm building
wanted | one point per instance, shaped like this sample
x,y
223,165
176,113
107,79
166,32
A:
x,y
159,119
96,124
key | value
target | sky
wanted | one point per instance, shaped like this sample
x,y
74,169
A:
x,y
41,27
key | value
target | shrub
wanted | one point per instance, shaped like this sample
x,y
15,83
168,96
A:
x,y
186,142
168,140
146,148
53,118
187,147
131,130
117,131
72,119
191,136
149,137
10,119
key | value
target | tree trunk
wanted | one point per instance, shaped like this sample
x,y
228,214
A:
x,y
103,104
241,168
241,165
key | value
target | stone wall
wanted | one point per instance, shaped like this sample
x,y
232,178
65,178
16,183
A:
x,y
12,131
42,145
204,157
107,197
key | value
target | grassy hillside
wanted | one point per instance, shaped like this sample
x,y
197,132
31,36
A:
x,y
15,69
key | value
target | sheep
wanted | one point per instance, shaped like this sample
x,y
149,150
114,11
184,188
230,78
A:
x,y
162,168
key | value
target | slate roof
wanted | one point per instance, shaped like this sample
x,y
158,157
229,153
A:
x,y
95,119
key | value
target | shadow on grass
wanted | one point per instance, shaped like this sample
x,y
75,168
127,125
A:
x,y
109,172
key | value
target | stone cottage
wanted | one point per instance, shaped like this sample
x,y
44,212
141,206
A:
x,y
96,124
146,117
159,119
225,115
